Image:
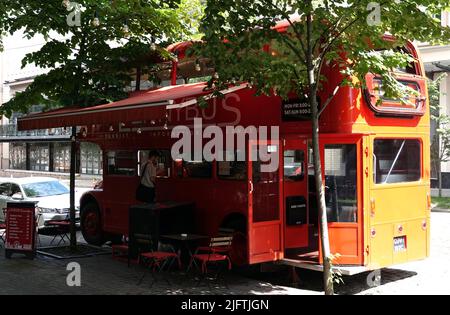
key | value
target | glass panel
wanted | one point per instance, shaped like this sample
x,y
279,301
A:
x,y
164,162
91,159
294,165
39,157
122,163
265,190
232,168
61,159
397,161
341,183
198,169
5,189
18,156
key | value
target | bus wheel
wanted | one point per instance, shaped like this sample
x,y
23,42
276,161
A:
x,y
91,226
239,247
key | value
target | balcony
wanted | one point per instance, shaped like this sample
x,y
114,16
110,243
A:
x,y
9,133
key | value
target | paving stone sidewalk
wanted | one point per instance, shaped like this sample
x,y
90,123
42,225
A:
x,y
102,275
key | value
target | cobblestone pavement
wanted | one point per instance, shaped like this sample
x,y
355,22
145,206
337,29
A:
x,y
428,277
102,275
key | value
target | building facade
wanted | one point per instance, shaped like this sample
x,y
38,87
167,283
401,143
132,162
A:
x,y
437,62
40,150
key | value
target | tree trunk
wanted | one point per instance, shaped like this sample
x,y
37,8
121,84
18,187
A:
x,y
440,179
73,161
320,189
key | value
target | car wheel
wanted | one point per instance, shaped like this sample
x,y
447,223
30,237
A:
x,y
91,224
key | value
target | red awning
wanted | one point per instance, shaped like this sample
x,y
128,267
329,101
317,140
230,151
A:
x,y
147,105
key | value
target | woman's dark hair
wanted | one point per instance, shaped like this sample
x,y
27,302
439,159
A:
x,y
153,153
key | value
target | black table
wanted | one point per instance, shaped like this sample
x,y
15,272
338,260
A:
x,y
185,241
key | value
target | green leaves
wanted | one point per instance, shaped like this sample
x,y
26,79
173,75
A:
x,y
91,64
337,27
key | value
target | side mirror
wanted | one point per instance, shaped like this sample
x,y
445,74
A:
x,y
17,196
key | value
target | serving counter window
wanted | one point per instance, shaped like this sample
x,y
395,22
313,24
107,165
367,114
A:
x,y
121,163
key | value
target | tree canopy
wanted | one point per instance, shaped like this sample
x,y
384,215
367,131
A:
x,y
91,45
355,27
245,44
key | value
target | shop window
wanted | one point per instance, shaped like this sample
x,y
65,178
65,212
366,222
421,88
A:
x,y
122,163
39,157
18,156
91,160
396,161
61,157
341,183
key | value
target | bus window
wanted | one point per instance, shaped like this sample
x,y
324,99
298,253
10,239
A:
x,y
266,192
164,165
197,169
294,163
340,182
121,163
396,161
232,168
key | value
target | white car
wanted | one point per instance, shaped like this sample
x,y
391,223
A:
x,y
52,197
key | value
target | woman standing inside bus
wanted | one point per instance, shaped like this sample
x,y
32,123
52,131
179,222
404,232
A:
x,y
149,171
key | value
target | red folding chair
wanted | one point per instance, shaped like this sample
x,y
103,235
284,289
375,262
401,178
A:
x,y
156,261
215,254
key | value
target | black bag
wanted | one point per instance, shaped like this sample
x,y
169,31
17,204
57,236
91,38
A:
x,y
143,193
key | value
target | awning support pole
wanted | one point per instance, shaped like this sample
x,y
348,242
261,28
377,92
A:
x,y
73,161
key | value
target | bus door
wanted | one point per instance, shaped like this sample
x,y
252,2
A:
x,y
265,237
295,194
343,174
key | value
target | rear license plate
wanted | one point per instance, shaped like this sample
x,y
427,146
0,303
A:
x,y
400,244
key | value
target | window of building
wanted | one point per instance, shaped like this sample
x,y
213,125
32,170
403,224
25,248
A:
x,y
18,156
341,183
61,157
39,157
396,161
91,159
122,163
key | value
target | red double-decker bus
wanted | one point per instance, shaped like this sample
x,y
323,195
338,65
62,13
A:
x,y
375,155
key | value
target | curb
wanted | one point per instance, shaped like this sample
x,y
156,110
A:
x,y
439,210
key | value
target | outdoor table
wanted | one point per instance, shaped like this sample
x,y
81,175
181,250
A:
x,y
185,241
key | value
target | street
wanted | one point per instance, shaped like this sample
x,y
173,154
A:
x,y
102,275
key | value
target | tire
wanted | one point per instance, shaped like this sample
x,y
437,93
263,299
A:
x,y
91,224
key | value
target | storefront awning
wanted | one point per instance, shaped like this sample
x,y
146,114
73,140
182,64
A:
x,y
147,105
